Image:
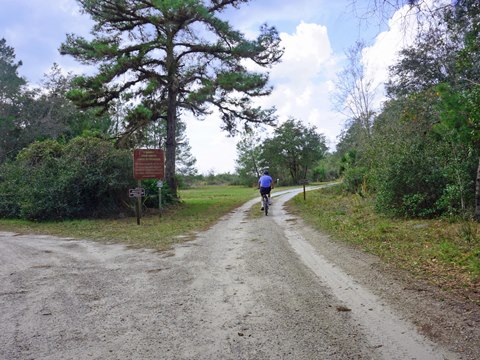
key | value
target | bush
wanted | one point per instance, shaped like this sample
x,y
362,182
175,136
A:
x,y
353,179
450,202
99,176
410,185
417,205
151,194
9,196
327,169
38,181
86,177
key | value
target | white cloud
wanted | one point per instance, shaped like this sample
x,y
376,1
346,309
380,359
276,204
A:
x,y
403,27
303,81
384,52
211,147
302,85
36,29
307,51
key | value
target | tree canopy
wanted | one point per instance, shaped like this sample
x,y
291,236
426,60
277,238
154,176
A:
x,y
10,81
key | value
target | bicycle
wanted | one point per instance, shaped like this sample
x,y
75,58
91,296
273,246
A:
x,y
265,203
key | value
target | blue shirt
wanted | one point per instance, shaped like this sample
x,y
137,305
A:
x,y
265,181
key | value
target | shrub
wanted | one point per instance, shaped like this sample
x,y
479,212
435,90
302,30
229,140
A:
x,y
417,205
353,179
9,190
39,181
151,194
410,184
99,176
86,177
320,173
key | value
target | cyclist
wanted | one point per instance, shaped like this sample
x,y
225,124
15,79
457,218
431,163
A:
x,y
265,184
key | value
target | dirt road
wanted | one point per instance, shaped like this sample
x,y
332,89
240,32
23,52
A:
x,y
269,288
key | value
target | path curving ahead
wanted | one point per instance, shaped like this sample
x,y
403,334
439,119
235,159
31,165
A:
x,y
266,288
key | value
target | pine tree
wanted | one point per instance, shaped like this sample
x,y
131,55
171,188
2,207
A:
x,y
166,57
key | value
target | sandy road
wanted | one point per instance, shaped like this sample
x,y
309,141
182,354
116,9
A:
x,y
268,288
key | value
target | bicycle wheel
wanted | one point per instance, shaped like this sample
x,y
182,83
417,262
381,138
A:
x,y
265,205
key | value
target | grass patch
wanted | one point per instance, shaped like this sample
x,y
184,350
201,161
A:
x,y
200,208
442,252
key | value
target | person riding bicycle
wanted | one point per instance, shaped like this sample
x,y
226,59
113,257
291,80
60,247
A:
x,y
265,184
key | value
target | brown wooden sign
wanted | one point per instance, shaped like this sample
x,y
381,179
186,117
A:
x,y
148,164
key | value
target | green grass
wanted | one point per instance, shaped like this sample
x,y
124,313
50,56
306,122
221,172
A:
x,y
200,208
442,252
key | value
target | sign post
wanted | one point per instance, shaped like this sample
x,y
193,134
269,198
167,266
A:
x,y
138,192
138,204
147,164
304,182
159,185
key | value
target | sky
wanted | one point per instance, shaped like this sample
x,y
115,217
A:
x,y
314,33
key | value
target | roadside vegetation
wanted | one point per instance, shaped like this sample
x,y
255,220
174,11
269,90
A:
x,y
199,209
443,251
419,154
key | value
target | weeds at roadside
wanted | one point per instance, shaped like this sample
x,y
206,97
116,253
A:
x,y
199,209
469,232
443,252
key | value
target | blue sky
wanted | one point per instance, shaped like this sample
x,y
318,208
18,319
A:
x,y
315,34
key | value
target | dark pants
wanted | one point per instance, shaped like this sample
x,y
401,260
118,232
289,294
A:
x,y
265,190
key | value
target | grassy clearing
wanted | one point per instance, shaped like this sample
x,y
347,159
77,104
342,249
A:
x,y
200,208
441,252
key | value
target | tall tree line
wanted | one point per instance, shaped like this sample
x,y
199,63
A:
x,y
30,113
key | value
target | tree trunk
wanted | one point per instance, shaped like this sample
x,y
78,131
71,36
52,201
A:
x,y
170,150
293,171
477,193
171,142
255,165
